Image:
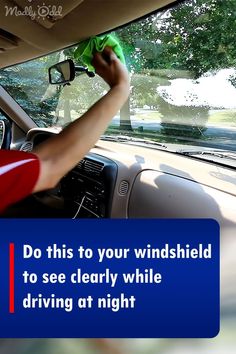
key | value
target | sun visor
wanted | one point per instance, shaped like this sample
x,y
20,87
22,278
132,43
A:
x,y
47,12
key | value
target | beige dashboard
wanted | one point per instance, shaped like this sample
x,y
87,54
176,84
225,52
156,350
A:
x,y
154,183
163,185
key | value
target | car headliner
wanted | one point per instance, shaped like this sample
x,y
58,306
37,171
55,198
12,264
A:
x,y
23,38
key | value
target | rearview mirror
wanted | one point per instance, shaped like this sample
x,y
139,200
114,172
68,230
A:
x,y
62,73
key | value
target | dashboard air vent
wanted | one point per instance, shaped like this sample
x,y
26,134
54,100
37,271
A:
x,y
80,164
27,146
93,167
123,187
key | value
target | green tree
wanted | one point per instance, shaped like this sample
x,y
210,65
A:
x,y
198,35
195,35
27,84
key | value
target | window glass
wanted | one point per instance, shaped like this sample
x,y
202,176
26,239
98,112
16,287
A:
x,y
183,77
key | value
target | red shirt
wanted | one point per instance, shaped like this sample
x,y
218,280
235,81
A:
x,y
19,172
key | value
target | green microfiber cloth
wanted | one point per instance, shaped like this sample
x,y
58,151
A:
x,y
87,48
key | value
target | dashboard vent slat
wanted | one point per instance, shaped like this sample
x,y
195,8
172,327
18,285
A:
x,y
80,164
123,188
93,167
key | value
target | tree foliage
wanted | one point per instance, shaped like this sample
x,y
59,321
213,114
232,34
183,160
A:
x,y
27,84
197,35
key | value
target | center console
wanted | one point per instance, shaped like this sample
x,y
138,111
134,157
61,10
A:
x,y
88,189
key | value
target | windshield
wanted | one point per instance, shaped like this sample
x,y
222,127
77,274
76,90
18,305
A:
x,y
182,64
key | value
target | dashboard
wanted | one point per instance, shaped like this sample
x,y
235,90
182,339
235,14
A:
x,y
86,191
116,180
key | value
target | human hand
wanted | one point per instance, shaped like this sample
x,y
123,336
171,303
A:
x,y
110,68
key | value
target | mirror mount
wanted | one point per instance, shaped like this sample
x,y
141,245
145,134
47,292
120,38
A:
x,y
85,70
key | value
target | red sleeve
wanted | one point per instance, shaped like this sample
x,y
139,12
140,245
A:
x,y
19,172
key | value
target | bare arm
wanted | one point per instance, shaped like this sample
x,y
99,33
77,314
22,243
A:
x,y
61,153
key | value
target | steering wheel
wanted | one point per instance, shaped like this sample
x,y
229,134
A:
x,y
7,134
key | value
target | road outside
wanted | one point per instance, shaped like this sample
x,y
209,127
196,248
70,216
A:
x,y
220,128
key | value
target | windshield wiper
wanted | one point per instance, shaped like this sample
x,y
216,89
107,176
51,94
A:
x,y
216,153
129,139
